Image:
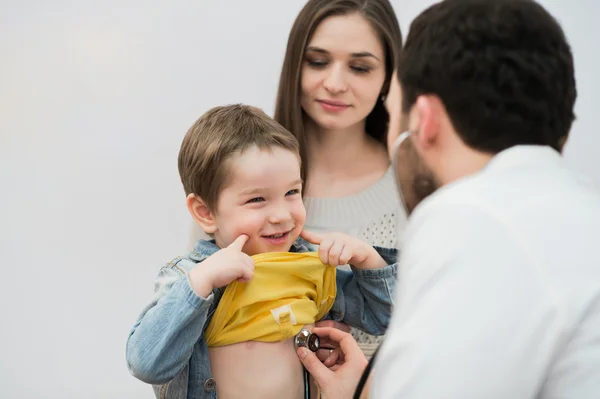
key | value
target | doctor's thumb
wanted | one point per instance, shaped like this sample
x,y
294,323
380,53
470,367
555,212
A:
x,y
313,365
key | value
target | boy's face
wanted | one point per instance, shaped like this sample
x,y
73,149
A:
x,y
262,199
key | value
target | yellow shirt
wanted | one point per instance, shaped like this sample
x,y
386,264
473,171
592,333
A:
x,y
288,290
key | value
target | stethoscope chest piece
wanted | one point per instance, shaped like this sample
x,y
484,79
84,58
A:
x,y
306,339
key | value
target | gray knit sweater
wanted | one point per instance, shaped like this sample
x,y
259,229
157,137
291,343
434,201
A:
x,y
374,215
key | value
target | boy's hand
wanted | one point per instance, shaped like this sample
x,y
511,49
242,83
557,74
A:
x,y
340,249
222,268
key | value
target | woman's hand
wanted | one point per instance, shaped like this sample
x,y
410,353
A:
x,y
338,381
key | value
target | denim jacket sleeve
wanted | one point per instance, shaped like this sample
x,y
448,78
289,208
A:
x,y
365,297
162,340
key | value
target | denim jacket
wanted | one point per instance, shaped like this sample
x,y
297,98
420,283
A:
x,y
166,346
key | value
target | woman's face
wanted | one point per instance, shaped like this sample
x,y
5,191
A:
x,y
343,72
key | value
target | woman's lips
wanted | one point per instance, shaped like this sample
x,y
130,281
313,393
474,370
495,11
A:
x,y
333,106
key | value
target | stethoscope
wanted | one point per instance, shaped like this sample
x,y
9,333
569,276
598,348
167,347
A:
x,y
311,341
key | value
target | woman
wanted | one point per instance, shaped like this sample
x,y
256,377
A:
x,y
334,82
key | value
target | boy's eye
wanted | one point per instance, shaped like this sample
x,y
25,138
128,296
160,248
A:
x,y
292,192
257,199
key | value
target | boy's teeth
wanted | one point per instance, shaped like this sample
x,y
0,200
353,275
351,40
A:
x,y
276,235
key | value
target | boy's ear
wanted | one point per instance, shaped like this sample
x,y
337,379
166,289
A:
x,y
201,214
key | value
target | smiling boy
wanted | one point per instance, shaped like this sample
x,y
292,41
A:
x,y
241,173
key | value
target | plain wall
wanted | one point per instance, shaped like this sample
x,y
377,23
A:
x,y
95,97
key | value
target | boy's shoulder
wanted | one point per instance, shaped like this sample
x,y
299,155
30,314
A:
x,y
301,246
202,250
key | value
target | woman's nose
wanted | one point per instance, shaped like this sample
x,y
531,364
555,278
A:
x,y
335,81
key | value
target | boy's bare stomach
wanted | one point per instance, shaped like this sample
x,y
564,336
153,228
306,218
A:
x,y
258,370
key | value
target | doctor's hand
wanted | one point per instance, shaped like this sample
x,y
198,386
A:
x,y
330,355
340,380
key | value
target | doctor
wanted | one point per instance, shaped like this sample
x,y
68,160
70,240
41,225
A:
x,y
499,281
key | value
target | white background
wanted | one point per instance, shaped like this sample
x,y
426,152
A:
x,y
95,97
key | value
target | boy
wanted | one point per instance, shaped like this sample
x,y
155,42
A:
x,y
241,173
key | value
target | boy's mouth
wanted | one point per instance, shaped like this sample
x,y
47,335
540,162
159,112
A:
x,y
278,238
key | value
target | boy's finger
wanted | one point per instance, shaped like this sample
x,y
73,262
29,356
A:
x,y
239,242
247,274
313,238
250,262
324,250
335,252
346,255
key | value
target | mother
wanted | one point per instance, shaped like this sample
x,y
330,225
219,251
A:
x,y
333,92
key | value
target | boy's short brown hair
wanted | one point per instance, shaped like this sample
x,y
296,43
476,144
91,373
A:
x,y
216,136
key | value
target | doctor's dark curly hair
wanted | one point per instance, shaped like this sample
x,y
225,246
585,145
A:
x,y
502,68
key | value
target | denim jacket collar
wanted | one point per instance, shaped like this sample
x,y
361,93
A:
x,y
205,248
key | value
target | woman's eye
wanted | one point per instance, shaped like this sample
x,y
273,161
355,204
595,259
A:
x,y
361,69
257,199
317,63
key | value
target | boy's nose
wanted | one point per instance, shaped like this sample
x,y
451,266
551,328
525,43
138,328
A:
x,y
279,215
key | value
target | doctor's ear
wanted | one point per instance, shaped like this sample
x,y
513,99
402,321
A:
x,y
426,115
201,213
